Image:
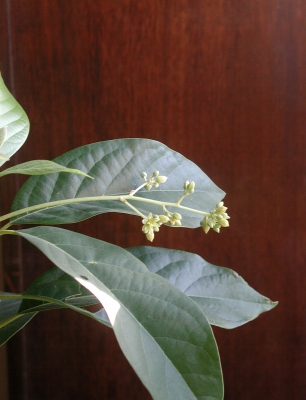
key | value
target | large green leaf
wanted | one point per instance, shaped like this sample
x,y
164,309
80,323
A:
x,y
14,124
226,299
164,334
116,167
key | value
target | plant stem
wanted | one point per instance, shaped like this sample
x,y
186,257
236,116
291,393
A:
x,y
8,232
9,320
132,207
181,198
59,203
6,226
132,192
46,300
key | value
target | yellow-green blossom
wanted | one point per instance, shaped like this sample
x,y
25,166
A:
x,y
216,219
174,218
151,224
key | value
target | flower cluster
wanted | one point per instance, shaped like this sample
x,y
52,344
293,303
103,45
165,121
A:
x,y
152,224
216,219
154,181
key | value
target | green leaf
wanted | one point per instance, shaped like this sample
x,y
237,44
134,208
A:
x,y
116,166
3,135
226,299
40,167
14,124
164,334
52,290
10,321
56,285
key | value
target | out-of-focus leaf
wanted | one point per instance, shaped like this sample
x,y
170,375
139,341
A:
x,y
10,321
14,124
40,167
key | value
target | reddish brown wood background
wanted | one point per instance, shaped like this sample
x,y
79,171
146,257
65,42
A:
x,y
224,83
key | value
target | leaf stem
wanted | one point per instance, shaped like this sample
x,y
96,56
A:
x,y
58,203
62,304
6,226
181,198
132,192
9,320
132,207
8,232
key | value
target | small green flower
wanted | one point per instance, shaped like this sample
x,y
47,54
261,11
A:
x,y
189,187
174,218
154,181
151,224
217,219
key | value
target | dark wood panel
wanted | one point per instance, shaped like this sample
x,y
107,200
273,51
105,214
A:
x,y
223,83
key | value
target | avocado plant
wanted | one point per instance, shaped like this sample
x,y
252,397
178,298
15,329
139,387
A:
x,y
159,302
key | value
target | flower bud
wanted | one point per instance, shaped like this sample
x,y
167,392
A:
x,y
216,228
190,187
155,174
164,219
204,225
150,236
220,209
177,216
161,179
174,218
223,222
144,175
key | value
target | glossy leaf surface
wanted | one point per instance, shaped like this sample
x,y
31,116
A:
x,y
226,299
14,124
116,166
164,334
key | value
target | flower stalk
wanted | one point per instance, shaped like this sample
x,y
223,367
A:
x,y
215,219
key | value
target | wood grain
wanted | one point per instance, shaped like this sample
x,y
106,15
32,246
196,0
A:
x,y
221,82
